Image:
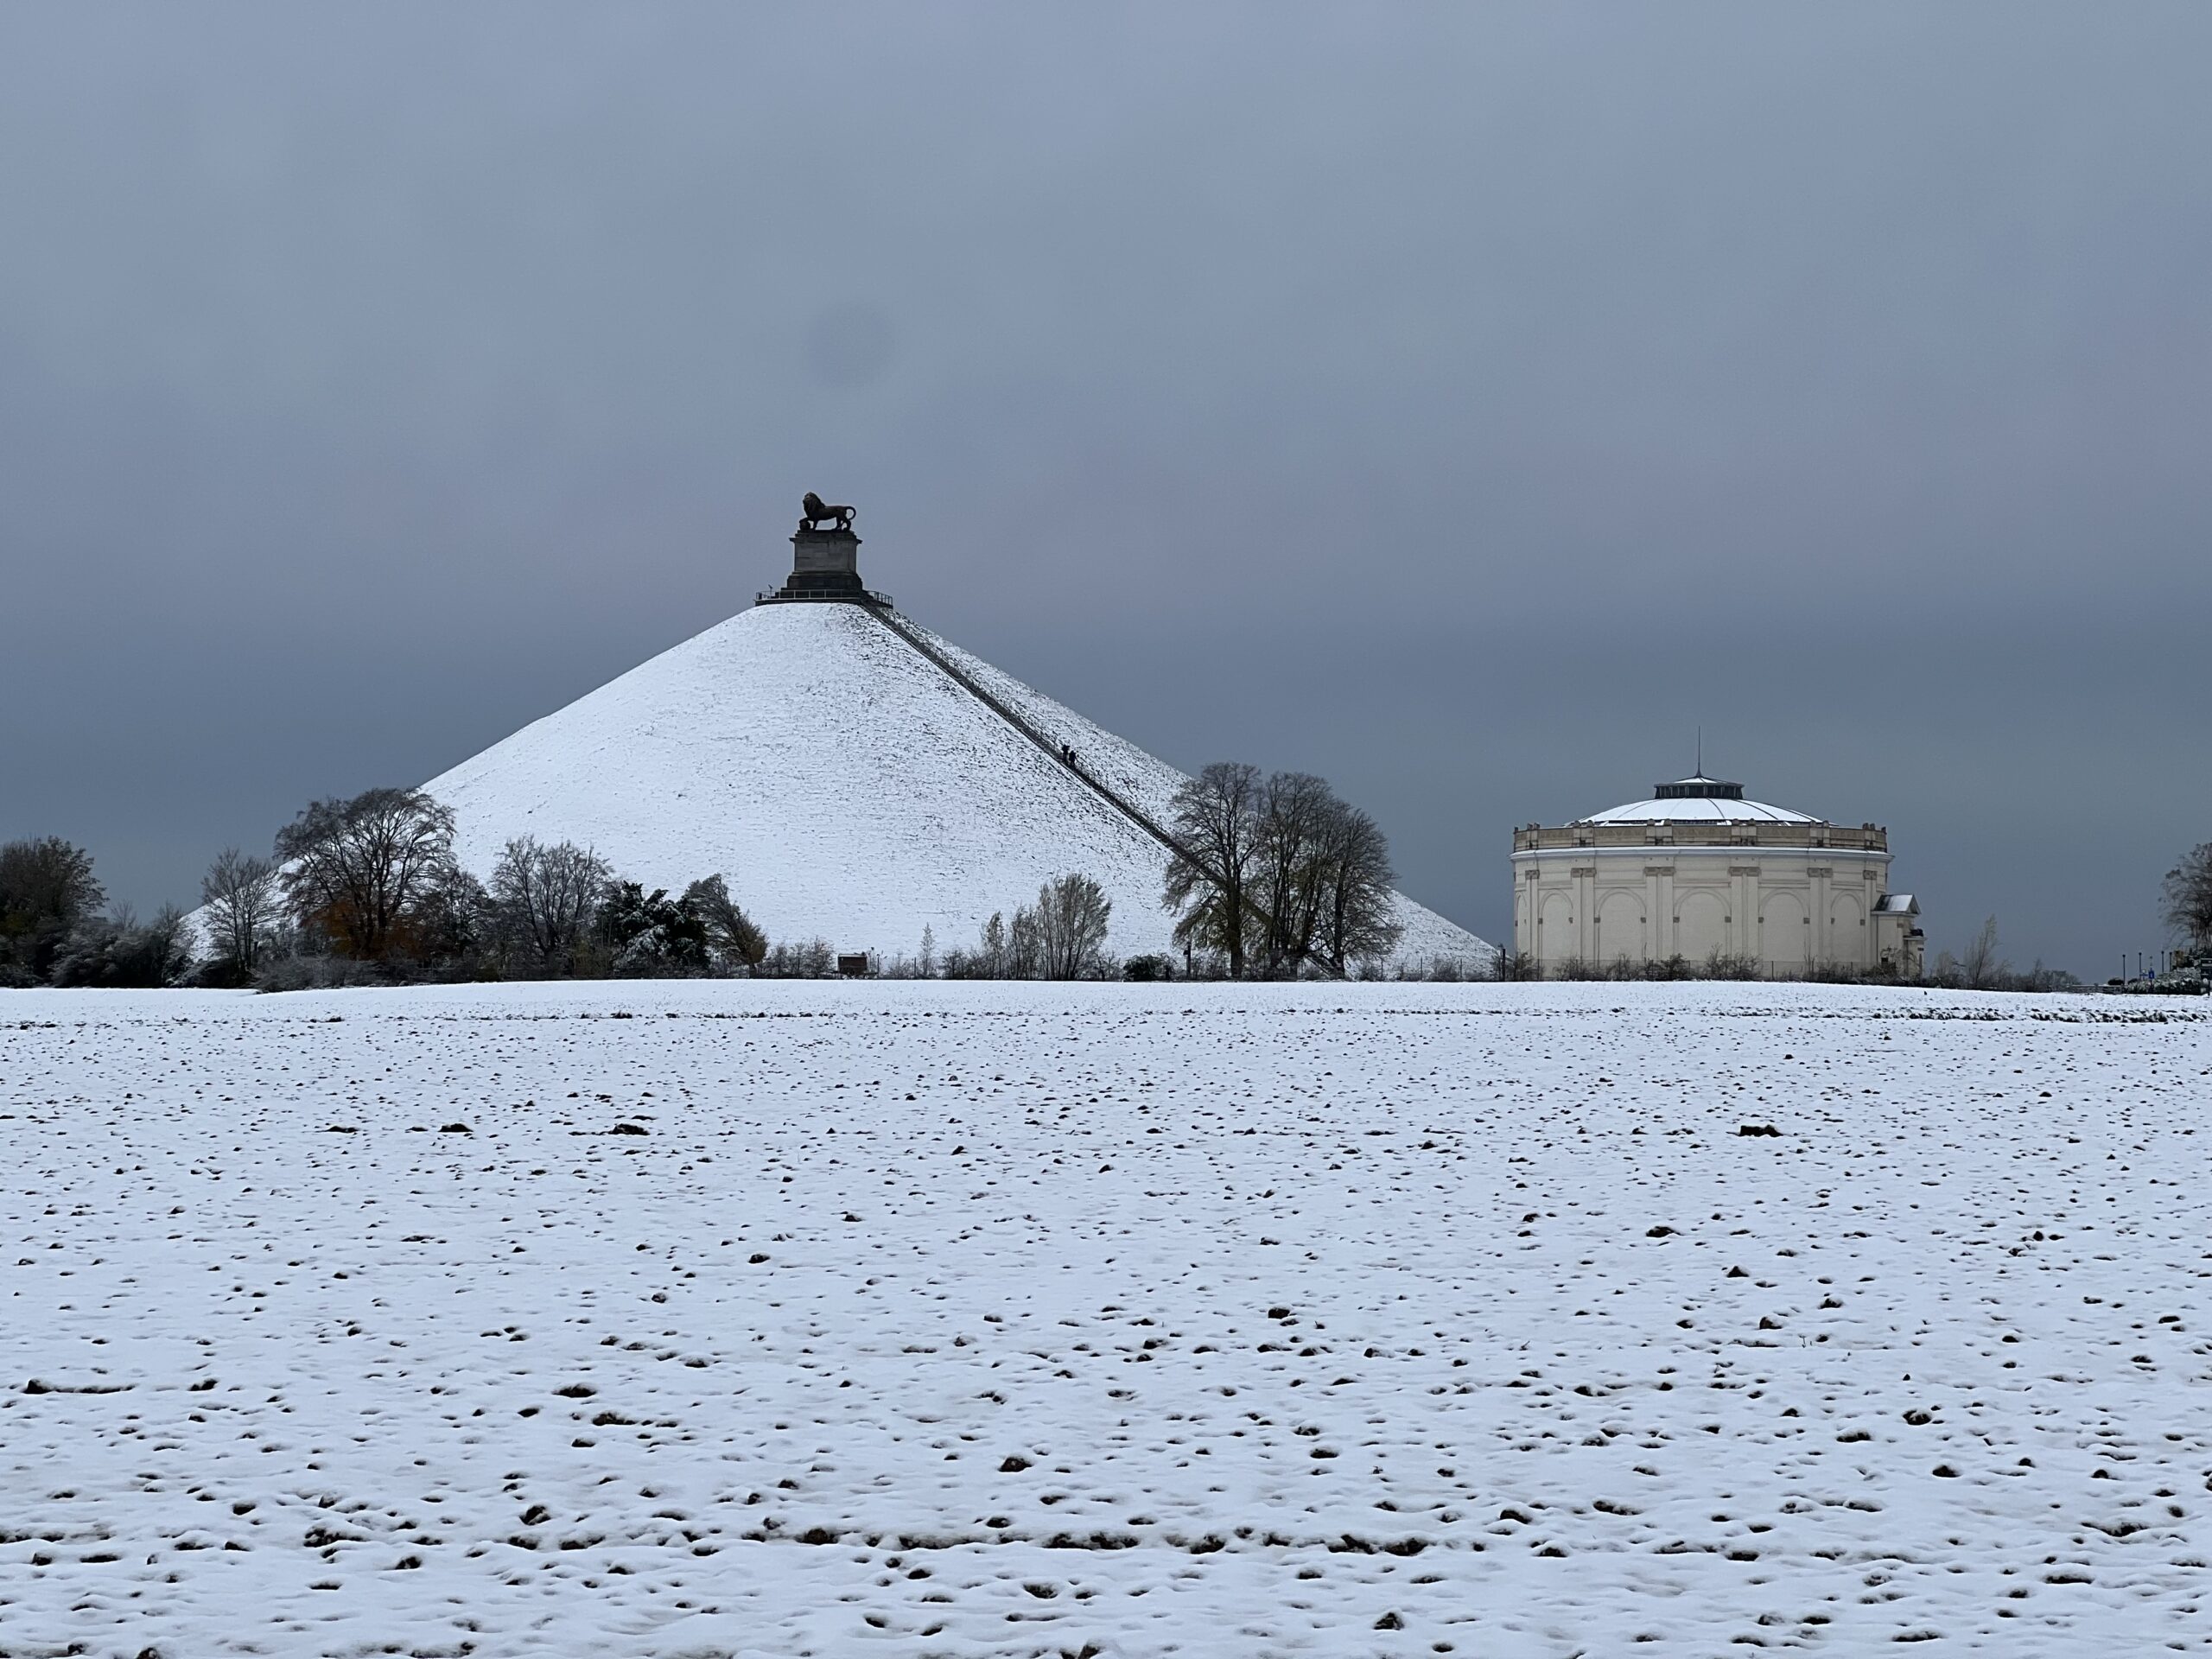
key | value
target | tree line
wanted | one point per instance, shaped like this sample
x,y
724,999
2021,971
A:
x,y
369,890
1272,876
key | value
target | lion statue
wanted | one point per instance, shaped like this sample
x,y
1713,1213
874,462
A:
x,y
819,512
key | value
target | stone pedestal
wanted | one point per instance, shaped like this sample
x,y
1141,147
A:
x,y
825,564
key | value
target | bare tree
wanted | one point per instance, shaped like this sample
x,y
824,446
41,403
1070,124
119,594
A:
x,y
356,872
168,945
2188,896
1025,947
1293,811
1215,818
244,905
1316,879
1981,968
451,923
1357,908
1071,923
542,899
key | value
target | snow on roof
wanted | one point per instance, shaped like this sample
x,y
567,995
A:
x,y
844,786
1898,904
1695,809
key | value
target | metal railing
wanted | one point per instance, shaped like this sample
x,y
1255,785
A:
x,y
821,596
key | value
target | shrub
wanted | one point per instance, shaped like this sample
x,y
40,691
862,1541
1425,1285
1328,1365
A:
x,y
1723,965
114,951
303,971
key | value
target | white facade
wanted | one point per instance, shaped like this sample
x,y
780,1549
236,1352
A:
x,y
1698,873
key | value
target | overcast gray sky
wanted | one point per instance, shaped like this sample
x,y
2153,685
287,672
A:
x,y
1462,402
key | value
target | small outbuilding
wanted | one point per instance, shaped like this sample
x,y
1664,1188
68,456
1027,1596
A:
x,y
1700,876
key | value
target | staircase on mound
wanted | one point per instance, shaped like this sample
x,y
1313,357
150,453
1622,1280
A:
x,y
913,636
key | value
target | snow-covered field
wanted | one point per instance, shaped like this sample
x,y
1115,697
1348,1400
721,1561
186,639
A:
x,y
782,1318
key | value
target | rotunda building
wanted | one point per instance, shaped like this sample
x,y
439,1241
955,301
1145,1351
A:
x,y
1700,878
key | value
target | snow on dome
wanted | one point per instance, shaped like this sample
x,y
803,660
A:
x,y
847,787
1698,799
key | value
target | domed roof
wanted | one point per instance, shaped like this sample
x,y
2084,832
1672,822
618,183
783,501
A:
x,y
1698,799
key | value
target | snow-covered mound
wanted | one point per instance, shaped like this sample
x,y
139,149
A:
x,y
847,787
